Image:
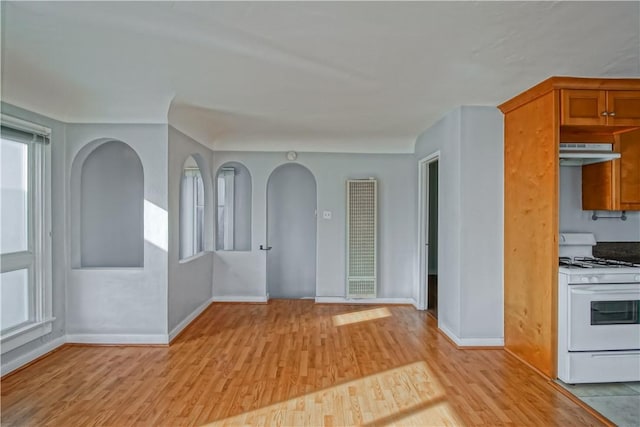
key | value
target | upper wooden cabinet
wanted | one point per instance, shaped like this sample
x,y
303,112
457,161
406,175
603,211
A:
x,y
599,107
614,185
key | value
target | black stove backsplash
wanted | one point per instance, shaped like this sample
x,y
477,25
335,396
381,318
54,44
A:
x,y
622,251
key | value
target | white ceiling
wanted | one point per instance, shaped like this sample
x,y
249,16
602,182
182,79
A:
x,y
321,76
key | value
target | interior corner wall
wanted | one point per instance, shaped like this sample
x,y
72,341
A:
x,y
470,286
190,280
122,304
242,275
444,136
55,200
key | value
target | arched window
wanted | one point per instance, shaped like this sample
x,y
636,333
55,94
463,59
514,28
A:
x,y
233,224
192,209
112,207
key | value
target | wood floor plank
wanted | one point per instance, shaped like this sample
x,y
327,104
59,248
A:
x,y
289,362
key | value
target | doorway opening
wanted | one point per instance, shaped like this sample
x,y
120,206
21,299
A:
x,y
428,188
291,233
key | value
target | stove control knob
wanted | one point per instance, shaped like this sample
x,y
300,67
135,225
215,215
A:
x,y
584,279
594,280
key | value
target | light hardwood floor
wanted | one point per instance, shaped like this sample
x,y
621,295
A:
x,y
289,362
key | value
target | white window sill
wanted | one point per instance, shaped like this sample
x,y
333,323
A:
x,y
193,257
108,268
25,334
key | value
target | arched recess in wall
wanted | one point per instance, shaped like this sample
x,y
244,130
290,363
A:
x,y
107,206
233,207
196,207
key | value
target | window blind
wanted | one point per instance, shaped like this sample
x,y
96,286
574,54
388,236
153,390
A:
x,y
21,131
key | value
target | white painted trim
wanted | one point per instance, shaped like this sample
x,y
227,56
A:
x,y
20,361
116,339
187,320
194,257
233,298
471,342
26,334
24,125
344,300
423,265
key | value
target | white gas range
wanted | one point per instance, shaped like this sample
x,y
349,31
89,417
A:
x,y
598,315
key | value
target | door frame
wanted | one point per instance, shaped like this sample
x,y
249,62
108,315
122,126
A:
x,y
423,223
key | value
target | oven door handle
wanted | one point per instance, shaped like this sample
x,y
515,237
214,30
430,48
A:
x,y
616,354
603,292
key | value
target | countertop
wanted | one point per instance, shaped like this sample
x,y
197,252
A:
x,y
621,251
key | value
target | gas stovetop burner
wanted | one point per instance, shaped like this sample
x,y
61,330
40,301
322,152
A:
x,y
589,262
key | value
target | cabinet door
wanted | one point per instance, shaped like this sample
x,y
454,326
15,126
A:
x,y
583,107
629,144
599,186
623,107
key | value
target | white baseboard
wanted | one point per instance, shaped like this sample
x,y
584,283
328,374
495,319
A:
x,y
32,355
116,339
234,298
471,342
343,300
187,320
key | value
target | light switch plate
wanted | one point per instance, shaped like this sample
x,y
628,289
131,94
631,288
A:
x,y
326,214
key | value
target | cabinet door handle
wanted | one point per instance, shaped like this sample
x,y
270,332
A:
x,y
604,113
612,113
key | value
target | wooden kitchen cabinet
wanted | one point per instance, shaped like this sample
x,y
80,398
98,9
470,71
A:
x,y
614,185
535,123
581,107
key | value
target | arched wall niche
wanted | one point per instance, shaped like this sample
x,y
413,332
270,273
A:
x,y
107,206
233,207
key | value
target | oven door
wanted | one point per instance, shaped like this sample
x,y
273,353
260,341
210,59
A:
x,y
604,317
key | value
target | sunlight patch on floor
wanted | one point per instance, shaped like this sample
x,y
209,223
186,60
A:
x,y
409,395
360,316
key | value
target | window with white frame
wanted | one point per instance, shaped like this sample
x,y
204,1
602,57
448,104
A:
x,y
226,217
191,210
25,248
233,208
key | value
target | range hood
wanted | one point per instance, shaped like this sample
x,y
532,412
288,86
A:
x,y
579,154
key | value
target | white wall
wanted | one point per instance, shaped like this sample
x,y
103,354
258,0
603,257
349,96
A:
x,y
190,279
481,227
56,200
119,304
243,273
470,287
574,219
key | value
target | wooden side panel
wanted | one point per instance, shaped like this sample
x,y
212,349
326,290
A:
x,y
630,170
598,186
583,107
531,232
623,107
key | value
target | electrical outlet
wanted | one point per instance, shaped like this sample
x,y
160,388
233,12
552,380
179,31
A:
x,y
326,214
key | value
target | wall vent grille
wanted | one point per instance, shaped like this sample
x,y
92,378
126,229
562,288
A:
x,y
361,238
